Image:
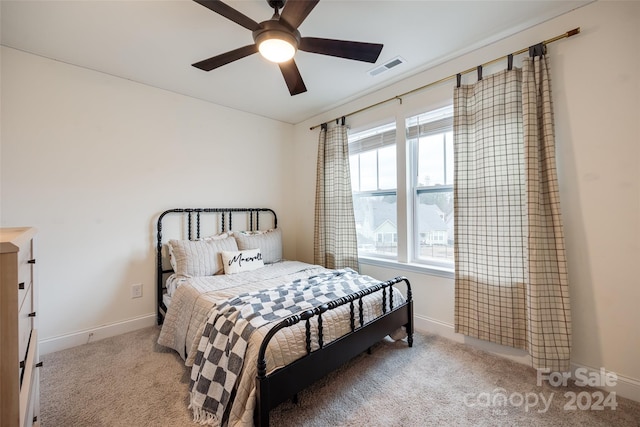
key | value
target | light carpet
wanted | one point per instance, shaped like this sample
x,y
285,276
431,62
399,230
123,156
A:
x,y
130,380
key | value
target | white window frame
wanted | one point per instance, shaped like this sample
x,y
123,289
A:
x,y
406,197
377,138
439,121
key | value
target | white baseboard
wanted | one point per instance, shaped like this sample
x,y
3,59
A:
x,y
51,345
447,330
625,386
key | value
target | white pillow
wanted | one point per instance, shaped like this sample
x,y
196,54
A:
x,y
172,258
238,261
269,241
199,257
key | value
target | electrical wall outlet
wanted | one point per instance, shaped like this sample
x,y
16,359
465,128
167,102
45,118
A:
x,y
136,290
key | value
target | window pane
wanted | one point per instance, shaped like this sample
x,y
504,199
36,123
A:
x,y
373,154
369,171
376,225
449,153
431,160
387,167
434,222
431,136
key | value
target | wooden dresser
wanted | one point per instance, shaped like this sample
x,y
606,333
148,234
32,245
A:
x,y
19,364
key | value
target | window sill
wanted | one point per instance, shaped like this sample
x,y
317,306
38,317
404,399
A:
x,y
412,267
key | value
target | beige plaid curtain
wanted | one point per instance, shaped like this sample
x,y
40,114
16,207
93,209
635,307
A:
x,y
335,243
511,276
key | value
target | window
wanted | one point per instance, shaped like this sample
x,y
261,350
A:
x,y
374,177
372,156
430,138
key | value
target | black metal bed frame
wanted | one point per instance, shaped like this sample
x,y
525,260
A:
x,y
284,383
225,225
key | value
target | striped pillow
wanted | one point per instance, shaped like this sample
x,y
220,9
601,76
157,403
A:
x,y
197,258
270,243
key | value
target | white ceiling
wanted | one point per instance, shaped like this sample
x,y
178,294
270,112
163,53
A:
x,y
155,42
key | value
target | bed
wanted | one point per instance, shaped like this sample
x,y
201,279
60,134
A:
x,y
254,328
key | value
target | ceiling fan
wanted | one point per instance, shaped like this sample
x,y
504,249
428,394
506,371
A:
x,y
278,39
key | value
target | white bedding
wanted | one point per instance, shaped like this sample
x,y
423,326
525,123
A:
x,y
193,299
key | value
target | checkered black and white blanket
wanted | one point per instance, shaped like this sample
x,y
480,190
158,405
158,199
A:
x,y
220,357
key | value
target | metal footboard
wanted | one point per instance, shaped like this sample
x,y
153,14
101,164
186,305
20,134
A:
x,y
284,383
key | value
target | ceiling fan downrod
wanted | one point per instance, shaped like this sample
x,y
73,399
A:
x,y
276,4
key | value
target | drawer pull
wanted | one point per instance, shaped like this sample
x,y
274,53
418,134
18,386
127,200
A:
x,y
39,365
21,285
32,261
32,314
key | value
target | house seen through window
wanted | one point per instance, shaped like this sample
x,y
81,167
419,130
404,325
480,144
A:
x,y
374,173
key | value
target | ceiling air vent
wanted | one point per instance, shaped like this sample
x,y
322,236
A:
x,y
387,66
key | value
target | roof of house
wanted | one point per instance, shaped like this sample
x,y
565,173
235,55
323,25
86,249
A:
x,y
431,217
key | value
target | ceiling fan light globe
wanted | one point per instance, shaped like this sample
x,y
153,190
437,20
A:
x,y
276,50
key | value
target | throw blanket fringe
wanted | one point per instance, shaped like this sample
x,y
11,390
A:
x,y
201,416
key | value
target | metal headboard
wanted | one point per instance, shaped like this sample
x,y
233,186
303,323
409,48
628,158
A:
x,y
194,218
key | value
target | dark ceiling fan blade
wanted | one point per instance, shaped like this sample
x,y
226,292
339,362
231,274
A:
x,y
292,77
359,51
295,11
230,13
225,58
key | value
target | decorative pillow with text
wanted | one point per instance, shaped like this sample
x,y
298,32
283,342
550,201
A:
x,y
239,261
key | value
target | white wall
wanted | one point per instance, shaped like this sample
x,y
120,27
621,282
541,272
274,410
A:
x,y
596,83
91,160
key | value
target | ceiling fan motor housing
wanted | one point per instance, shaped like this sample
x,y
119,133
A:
x,y
274,29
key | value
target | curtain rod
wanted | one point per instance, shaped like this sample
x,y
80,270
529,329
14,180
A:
x,y
399,97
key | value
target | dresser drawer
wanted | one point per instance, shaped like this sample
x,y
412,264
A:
x,y
25,322
29,388
25,270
